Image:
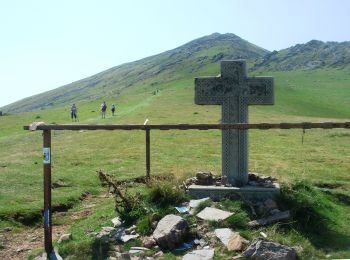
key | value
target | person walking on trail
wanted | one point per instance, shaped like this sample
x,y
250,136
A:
x,y
74,112
103,109
113,109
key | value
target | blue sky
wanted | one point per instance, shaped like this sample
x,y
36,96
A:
x,y
47,44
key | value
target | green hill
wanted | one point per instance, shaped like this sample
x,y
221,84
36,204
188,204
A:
x,y
165,67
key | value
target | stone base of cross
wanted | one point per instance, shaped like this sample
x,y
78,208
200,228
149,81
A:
x,y
234,91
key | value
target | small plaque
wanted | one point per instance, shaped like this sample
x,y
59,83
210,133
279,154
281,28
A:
x,y
47,155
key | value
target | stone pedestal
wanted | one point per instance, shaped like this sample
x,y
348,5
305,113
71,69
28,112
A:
x,y
217,193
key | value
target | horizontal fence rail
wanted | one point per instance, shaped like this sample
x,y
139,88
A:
x,y
243,126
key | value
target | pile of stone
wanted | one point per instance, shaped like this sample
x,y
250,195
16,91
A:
x,y
208,179
173,233
254,179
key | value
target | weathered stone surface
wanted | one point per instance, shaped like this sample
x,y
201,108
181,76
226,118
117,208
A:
x,y
213,214
271,219
202,254
195,203
261,249
270,204
237,243
64,237
116,222
224,234
170,231
232,240
234,91
148,242
204,178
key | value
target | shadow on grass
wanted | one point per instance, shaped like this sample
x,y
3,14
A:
x,y
317,214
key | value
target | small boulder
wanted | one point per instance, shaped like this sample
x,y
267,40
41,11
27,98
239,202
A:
x,y
204,178
64,237
202,254
270,204
148,242
116,222
261,249
237,243
232,240
170,231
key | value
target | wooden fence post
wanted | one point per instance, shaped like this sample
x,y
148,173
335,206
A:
x,y
47,191
148,154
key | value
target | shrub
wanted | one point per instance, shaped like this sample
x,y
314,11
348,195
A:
x,y
165,194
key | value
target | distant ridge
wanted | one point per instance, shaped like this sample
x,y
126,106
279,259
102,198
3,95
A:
x,y
311,55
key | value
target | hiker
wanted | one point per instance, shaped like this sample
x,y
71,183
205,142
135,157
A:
x,y
103,109
74,112
113,109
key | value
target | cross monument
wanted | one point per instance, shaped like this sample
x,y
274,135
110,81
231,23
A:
x,y
234,91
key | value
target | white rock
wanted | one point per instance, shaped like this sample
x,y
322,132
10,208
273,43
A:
x,y
65,237
116,222
215,214
195,203
126,238
202,254
224,234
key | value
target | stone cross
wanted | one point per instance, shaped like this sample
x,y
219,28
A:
x,y
234,91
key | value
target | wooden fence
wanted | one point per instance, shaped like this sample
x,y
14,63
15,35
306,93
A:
x,y
147,128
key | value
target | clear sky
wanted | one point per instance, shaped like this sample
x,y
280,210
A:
x,y
47,44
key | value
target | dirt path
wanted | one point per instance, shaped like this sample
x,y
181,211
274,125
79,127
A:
x,y
19,245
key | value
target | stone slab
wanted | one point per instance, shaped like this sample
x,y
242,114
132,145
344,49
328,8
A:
x,y
213,214
202,254
218,192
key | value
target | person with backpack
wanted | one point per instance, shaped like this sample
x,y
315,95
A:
x,y
74,112
103,109
113,109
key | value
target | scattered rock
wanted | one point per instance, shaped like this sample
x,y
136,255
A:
x,y
158,254
65,237
202,254
271,219
204,178
232,240
237,243
116,222
274,211
170,231
130,230
224,234
215,214
136,250
195,203
261,249
148,242
270,204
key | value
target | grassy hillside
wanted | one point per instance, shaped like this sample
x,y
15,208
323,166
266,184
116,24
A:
x,y
324,157
165,67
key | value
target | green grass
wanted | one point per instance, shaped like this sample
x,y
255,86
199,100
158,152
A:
x,y
324,156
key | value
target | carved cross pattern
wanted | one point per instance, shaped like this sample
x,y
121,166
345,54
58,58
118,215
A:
x,y
234,91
